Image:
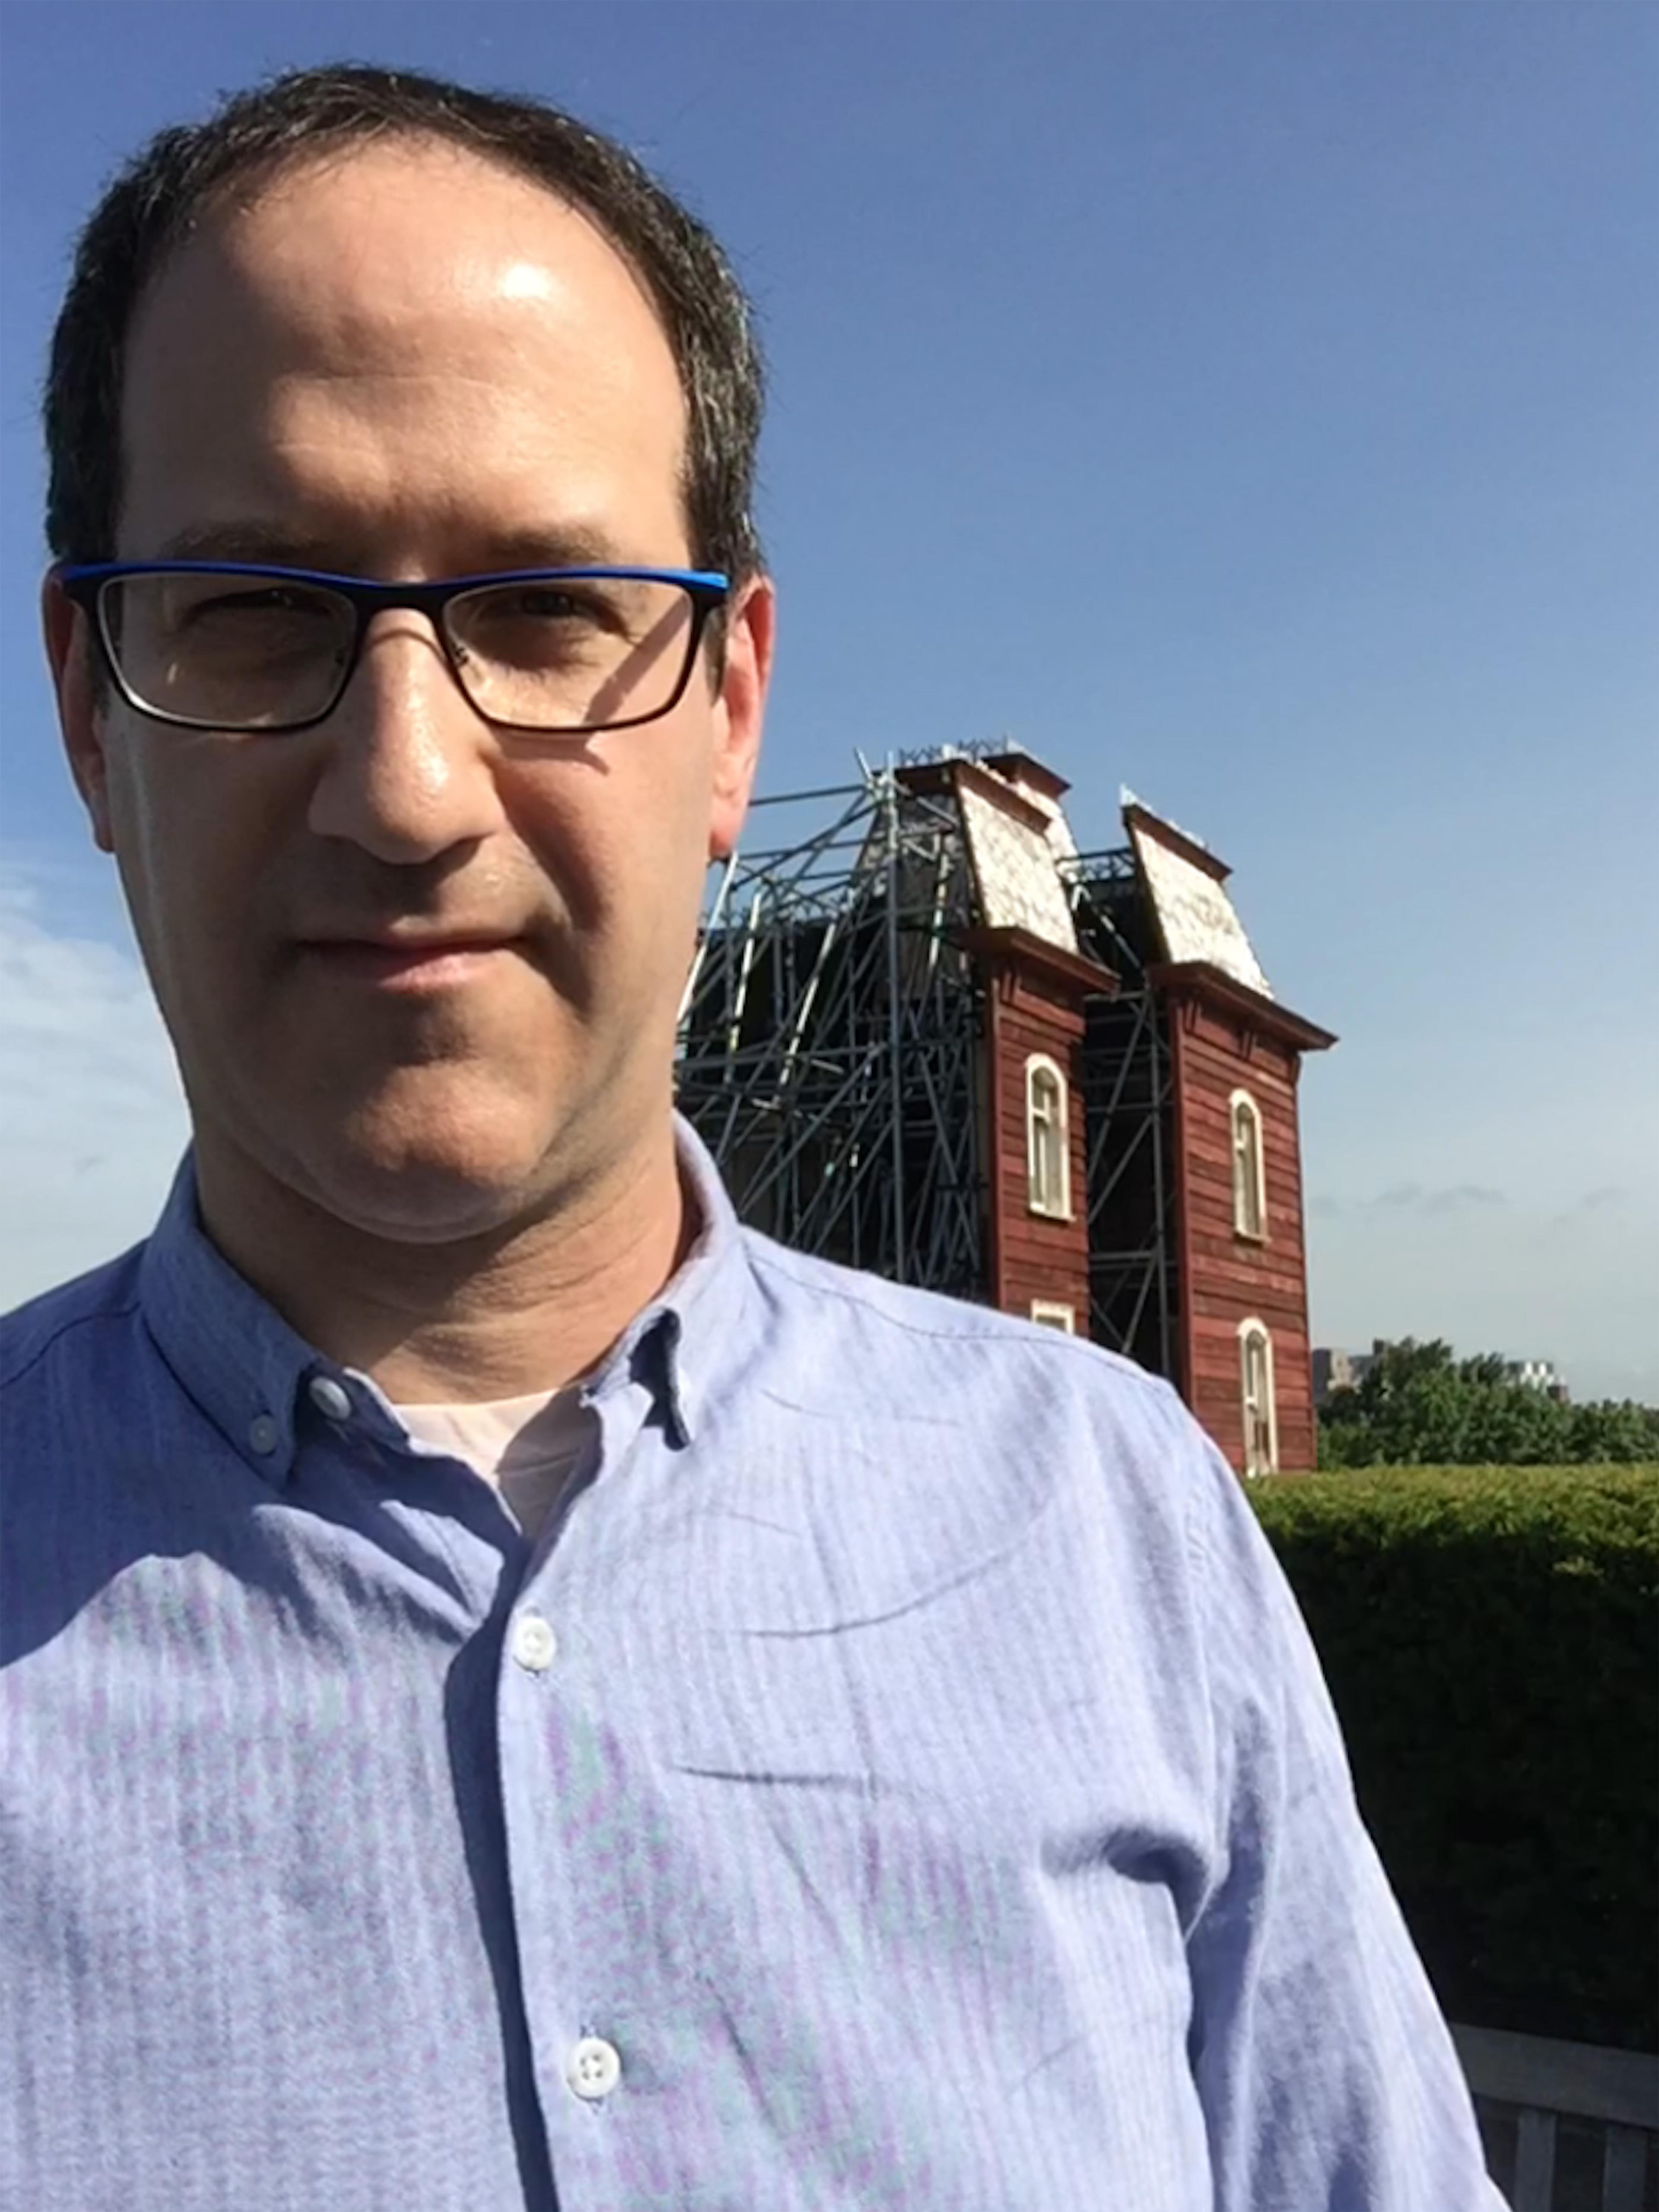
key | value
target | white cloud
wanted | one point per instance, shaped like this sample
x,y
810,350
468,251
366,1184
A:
x,y
92,1117
1454,1198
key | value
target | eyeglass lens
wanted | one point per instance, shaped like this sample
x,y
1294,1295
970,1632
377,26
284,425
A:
x,y
249,654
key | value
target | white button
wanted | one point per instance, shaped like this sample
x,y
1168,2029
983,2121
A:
x,y
534,1645
593,2068
263,1433
330,1398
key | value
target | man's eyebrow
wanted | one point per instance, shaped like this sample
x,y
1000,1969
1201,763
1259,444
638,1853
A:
x,y
576,546
247,541
555,546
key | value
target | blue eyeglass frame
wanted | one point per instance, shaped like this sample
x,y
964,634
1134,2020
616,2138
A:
x,y
84,583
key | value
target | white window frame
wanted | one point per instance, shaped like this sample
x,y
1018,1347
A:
x,y
1039,1198
1254,1332
1053,1314
1247,1151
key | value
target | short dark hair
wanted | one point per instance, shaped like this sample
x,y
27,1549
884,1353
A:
x,y
159,197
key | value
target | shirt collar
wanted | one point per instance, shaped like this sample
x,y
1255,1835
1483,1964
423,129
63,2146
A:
x,y
250,1373
674,1345
233,1352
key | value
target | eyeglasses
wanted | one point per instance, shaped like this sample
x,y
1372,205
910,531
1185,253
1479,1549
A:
x,y
237,648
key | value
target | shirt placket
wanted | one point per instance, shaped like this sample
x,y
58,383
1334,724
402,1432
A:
x,y
563,1808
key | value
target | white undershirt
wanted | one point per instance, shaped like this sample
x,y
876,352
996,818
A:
x,y
527,1447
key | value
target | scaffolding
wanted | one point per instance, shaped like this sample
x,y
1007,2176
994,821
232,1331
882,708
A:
x,y
832,1052
1128,1088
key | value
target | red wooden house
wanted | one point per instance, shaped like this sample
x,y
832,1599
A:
x,y
1235,1268
973,1058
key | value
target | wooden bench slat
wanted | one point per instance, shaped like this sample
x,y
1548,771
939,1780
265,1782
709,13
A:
x,y
1625,2173
1534,2162
1578,2079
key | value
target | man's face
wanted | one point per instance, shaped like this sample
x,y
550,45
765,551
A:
x,y
405,363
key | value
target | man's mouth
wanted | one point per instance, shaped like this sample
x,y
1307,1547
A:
x,y
409,960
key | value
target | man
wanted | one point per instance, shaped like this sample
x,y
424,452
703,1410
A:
x,y
519,1692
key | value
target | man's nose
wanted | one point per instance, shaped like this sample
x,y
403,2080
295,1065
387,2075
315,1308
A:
x,y
411,767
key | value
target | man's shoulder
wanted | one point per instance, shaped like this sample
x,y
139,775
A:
x,y
70,1322
954,1435
893,1339
874,1301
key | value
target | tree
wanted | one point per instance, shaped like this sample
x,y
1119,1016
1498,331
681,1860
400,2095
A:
x,y
1419,1404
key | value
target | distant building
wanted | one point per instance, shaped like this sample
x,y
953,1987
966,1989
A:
x,y
1336,1370
1537,1374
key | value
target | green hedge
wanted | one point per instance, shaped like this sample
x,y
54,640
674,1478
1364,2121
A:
x,y
1491,1636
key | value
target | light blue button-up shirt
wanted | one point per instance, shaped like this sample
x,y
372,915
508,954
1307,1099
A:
x,y
898,1777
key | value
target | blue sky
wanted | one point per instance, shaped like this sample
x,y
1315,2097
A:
x,y
1256,404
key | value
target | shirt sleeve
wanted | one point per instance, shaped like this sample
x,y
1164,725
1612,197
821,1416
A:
x,y
1328,2077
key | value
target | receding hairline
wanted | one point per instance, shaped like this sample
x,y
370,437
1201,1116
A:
x,y
263,177
258,180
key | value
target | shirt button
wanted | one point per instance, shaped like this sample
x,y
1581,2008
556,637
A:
x,y
535,1647
593,2068
263,1433
330,1398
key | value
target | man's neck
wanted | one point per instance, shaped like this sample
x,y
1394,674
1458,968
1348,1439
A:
x,y
523,1308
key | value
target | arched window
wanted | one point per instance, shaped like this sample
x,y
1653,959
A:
x,y
1249,1181
1047,1162
1255,1373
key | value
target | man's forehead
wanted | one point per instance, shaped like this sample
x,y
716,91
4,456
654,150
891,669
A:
x,y
404,218
380,307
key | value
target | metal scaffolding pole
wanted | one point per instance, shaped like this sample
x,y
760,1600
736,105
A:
x,y
895,1034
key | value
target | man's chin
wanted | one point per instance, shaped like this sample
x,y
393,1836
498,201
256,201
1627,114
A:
x,y
429,1206
425,1185
435,1155
435,1195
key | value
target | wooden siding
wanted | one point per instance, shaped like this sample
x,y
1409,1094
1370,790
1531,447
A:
x,y
1228,1278
1034,1255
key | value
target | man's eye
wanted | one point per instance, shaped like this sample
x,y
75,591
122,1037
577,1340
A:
x,y
270,599
539,604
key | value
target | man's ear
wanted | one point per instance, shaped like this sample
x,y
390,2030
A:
x,y
739,711
69,652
